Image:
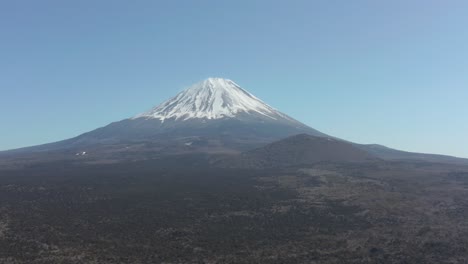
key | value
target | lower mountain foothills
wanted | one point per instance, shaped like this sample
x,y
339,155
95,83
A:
x,y
193,208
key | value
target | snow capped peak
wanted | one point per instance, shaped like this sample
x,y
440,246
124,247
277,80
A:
x,y
213,98
216,83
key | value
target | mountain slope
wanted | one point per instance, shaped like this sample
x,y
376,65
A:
x,y
393,154
299,150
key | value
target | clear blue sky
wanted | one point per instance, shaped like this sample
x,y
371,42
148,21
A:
x,y
389,72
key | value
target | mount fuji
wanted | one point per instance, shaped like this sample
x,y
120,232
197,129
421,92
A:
x,y
214,115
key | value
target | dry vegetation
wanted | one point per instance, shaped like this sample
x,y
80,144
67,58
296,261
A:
x,y
162,212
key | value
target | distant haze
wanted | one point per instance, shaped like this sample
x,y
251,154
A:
x,y
392,72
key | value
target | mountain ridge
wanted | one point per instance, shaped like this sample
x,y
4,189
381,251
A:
x,y
300,150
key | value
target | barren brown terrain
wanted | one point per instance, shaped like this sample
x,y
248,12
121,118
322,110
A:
x,y
184,211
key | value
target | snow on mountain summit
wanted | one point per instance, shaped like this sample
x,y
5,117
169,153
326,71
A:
x,y
213,98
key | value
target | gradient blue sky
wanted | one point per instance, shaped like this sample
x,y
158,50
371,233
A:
x,y
389,72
